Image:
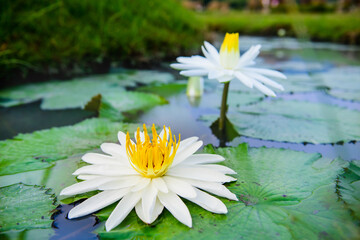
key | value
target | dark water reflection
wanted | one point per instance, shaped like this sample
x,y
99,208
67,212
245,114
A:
x,y
28,118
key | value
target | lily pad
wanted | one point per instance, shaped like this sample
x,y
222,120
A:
x,y
164,90
283,195
25,207
55,177
76,93
294,121
347,95
38,150
349,187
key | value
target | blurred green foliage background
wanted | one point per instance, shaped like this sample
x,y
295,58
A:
x,y
58,37
43,39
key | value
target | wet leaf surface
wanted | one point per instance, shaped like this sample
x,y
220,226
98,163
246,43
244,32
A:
x,y
282,194
25,207
76,93
295,121
40,149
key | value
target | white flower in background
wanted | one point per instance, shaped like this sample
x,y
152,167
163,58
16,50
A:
x,y
150,175
228,64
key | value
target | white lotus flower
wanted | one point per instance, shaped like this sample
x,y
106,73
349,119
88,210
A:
x,y
150,175
228,64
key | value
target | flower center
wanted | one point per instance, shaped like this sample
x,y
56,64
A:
x,y
229,51
152,158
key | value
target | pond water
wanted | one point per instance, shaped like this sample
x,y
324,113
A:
x,y
293,57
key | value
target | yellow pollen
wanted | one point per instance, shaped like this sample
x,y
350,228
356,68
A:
x,y
230,43
152,158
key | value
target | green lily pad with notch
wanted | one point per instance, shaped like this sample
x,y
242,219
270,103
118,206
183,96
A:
x,y
77,92
25,207
128,101
130,78
294,121
38,150
283,194
164,90
349,187
55,177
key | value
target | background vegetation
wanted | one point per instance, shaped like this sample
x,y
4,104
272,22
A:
x,y
47,39
343,28
65,36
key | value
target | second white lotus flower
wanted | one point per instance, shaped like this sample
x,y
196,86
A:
x,y
151,174
228,64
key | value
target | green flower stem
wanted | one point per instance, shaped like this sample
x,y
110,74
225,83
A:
x,y
223,107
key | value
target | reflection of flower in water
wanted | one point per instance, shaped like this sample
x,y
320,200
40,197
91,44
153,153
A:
x,y
228,64
149,175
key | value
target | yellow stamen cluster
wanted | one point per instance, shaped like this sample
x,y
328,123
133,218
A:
x,y
230,43
152,158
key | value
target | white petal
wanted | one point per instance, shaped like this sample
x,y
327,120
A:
x,y
160,184
195,60
97,202
186,142
266,72
214,188
180,187
264,89
215,74
209,202
244,79
176,207
113,149
203,158
265,80
106,170
194,73
219,168
225,78
208,56
149,196
120,182
186,152
156,212
143,182
249,56
184,66
199,173
88,177
122,138
213,52
85,186
96,158
122,210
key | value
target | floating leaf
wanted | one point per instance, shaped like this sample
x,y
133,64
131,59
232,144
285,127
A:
x,y
38,150
349,187
164,90
56,177
76,93
347,95
293,121
25,207
283,195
